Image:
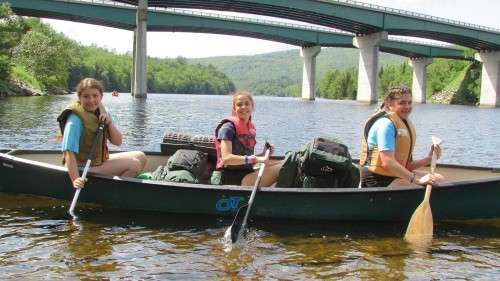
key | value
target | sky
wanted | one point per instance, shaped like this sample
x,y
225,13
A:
x,y
198,45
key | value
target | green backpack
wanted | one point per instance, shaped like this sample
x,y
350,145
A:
x,y
289,174
193,161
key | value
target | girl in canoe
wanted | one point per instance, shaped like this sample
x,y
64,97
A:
x,y
388,142
235,142
79,123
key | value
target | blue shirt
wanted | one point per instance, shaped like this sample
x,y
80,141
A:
x,y
382,134
73,130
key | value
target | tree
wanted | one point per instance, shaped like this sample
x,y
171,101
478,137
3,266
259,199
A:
x,y
12,29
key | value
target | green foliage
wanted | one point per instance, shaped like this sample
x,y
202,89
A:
x,y
339,84
48,56
48,60
279,73
12,29
21,74
394,75
469,90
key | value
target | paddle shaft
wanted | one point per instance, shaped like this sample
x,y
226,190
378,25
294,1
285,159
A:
x,y
98,135
252,197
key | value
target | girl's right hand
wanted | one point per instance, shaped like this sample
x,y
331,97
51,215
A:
x,y
429,179
79,183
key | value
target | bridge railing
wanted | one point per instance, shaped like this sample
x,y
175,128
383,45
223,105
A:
x,y
352,3
413,14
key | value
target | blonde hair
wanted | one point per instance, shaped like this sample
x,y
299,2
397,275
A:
x,y
87,83
241,94
394,93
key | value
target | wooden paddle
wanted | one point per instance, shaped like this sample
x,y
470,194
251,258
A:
x,y
421,225
237,228
98,135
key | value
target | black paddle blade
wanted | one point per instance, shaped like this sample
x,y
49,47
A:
x,y
238,220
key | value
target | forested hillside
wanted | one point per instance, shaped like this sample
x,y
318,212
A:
x,y
280,73
35,56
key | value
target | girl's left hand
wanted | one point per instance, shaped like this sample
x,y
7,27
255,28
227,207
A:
x,y
104,117
269,146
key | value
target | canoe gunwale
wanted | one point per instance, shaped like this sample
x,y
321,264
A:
x,y
11,155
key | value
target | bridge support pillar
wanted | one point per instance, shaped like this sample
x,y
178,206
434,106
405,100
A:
x,y
309,71
490,78
132,74
140,53
368,46
419,85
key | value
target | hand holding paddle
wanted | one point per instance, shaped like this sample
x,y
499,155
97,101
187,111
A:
x,y
83,178
420,228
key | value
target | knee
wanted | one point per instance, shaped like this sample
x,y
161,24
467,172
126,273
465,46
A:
x,y
136,166
141,157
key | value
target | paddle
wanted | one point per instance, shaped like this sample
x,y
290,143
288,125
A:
x,y
420,227
239,223
98,135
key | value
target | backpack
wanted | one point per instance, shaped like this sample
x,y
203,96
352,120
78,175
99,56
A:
x,y
289,172
325,157
327,163
194,161
181,176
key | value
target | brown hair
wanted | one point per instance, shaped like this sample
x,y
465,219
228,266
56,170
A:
x,y
235,98
394,93
87,83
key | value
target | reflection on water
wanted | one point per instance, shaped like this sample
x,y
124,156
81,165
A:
x,y
115,244
37,242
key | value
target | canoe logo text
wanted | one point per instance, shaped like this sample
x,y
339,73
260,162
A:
x,y
228,204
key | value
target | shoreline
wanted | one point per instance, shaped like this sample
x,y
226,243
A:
x,y
14,88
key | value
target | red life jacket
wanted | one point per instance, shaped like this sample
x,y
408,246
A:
x,y
245,132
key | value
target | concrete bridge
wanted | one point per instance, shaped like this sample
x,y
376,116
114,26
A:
x,y
371,25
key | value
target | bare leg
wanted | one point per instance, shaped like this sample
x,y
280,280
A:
x,y
269,177
127,164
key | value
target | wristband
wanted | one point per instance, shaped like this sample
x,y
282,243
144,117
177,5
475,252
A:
x,y
253,159
245,158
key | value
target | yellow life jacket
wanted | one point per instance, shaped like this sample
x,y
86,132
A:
x,y
90,121
405,141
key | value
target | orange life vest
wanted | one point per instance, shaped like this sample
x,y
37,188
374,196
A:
x,y
405,142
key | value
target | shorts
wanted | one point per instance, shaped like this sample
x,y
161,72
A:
x,y
375,180
234,177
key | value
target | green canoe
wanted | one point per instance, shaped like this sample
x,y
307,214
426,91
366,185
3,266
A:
x,y
469,193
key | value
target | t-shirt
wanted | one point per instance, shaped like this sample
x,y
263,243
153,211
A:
x,y
382,134
228,132
73,130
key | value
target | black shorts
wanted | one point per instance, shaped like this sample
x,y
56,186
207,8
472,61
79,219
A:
x,y
375,180
234,177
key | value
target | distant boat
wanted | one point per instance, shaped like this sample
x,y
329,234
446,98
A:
x,y
114,93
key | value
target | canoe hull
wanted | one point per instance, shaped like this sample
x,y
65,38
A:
x,y
462,200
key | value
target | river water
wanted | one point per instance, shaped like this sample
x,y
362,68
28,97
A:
x,y
36,244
